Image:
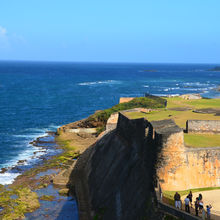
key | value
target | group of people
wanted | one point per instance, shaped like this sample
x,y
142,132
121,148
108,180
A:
x,y
199,206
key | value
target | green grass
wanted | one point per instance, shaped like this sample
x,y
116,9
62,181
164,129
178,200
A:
x,y
202,140
180,117
175,102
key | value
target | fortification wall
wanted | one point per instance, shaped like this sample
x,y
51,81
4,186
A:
x,y
203,126
190,169
114,180
181,168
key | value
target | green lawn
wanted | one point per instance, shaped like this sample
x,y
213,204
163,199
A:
x,y
180,117
202,140
174,102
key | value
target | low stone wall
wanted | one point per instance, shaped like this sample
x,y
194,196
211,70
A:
x,y
203,126
176,212
125,99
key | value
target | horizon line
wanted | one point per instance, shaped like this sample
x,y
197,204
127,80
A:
x,y
110,62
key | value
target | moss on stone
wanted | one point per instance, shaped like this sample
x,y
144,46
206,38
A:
x,y
64,192
47,198
26,201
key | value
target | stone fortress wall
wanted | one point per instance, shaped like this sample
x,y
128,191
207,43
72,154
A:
x,y
203,126
183,168
129,158
113,179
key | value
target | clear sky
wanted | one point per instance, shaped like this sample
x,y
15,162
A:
x,y
173,31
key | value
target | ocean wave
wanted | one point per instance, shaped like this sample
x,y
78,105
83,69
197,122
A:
x,y
28,156
196,84
146,86
30,153
172,88
162,94
7,178
99,82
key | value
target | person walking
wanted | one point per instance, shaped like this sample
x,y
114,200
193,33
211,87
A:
x,y
177,200
187,204
190,197
203,214
197,206
208,209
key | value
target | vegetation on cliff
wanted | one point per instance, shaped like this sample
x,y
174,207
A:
x,y
100,118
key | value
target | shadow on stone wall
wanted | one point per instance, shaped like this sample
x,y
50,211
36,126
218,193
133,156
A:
x,y
114,178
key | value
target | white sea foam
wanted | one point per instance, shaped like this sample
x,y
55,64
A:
x,y
146,86
7,178
169,89
196,84
156,94
28,155
99,82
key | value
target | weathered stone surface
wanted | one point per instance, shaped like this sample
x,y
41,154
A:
x,y
112,122
181,168
203,126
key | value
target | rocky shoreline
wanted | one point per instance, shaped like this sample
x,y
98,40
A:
x,y
37,181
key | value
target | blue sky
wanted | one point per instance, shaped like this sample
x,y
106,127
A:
x,y
111,31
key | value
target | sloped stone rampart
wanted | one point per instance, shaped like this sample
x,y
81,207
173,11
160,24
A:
x,y
113,179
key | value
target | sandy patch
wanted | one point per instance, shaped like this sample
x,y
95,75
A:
x,y
211,197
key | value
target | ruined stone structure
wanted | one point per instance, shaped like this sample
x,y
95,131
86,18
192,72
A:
x,y
203,126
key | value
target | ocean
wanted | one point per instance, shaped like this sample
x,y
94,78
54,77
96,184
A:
x,y
36,97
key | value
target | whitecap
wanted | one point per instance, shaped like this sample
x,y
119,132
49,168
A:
x,y
99,82
7,178
165,94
